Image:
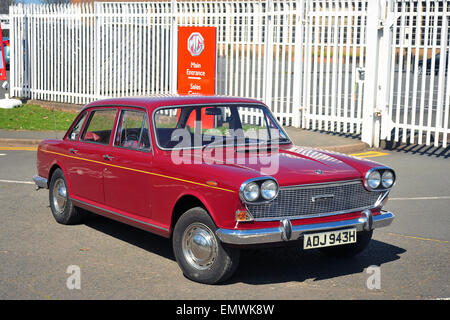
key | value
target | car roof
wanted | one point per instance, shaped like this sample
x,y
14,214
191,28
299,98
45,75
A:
x,y
153,102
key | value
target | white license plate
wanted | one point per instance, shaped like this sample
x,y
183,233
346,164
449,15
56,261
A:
x,y
329,238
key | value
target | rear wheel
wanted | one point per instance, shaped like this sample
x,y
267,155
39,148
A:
x,y
199,253
349,250
62,208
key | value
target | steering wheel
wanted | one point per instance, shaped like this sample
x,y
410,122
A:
x,y
130,137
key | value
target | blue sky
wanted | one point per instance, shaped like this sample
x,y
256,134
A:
x,y
28,1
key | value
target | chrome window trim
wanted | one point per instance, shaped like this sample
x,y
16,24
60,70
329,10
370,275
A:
x,y
244,104
118,107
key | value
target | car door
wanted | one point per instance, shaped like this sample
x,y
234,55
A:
x,y
85,164
127,181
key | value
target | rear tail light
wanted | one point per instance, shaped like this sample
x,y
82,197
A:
x,y
6,43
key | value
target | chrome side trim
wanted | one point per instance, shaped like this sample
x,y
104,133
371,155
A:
x,y
119,215
41,183
278,234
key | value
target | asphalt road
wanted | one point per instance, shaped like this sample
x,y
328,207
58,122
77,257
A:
x,y
120,262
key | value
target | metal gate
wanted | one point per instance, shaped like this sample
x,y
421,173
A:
x,y
418,83
335,47
79,53
377,68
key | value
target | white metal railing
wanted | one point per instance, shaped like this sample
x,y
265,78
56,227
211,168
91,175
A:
x,y
79,53
342,65
335,45
419,96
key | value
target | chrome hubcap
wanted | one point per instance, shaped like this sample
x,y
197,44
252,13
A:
x,y
59,196
199,246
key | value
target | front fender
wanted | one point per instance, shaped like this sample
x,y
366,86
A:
x,y
221,205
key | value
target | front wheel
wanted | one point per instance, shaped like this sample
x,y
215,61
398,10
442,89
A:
x,y
199,253
349,250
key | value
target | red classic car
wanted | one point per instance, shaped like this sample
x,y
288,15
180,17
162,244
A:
x,y
213,174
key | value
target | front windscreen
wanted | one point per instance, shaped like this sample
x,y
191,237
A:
x,y
222,125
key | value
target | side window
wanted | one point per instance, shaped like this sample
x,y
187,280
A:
x,y
75,132
100,126
132,131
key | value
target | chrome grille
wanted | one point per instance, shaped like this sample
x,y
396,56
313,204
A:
x,y
316,200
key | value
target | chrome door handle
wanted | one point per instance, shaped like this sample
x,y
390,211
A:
x,y
72,150
108,157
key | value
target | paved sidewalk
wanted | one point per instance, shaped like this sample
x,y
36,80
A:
x,y
324,140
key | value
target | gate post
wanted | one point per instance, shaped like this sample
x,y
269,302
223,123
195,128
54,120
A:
x,y
383,120
98,20
268,55
12,53
371,73
174,49
298,63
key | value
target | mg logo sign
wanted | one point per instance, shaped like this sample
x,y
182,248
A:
x,y
196,52
195,44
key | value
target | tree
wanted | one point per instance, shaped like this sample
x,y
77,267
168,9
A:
x,y
4,6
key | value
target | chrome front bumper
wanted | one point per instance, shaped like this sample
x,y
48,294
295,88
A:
x,y
287,232
41,183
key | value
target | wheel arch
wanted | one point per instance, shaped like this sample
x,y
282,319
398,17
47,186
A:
x,y
56,165
184,203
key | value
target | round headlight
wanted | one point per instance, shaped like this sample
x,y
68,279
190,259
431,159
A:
x,y
374,179
251,191
269,189
387,179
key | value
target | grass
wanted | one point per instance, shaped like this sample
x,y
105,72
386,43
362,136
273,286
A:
x,y
32,117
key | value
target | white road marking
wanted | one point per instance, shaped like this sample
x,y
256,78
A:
x,y
15,181
2,154
422,198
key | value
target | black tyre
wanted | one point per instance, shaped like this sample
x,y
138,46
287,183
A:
x,y
349,250
62,208
199,253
